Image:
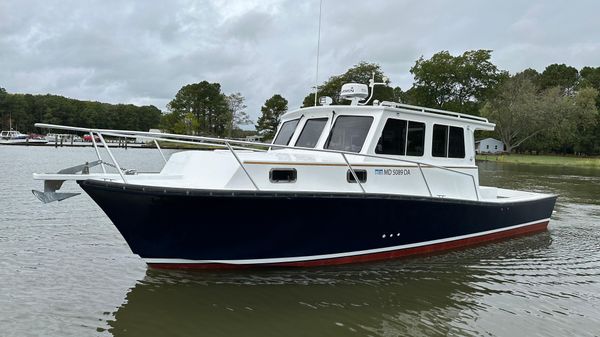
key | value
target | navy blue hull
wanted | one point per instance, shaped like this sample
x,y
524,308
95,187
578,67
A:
x,y
160,223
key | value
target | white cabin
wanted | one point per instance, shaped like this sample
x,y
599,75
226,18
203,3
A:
x,y
392,148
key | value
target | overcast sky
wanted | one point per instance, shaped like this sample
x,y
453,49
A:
x,y
143,52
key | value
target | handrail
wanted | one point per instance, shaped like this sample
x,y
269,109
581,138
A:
x,y
222,142
160,150
242,165
112,157
179,141
353,173
434,111
98,152
425,180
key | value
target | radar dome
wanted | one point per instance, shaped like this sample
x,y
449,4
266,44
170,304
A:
x,y
354,92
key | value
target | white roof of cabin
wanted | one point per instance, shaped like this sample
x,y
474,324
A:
x,y
475,122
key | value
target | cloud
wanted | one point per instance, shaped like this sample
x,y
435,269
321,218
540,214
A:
x,y
143,51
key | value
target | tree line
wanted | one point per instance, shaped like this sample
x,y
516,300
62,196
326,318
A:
x,y
553,111
24,110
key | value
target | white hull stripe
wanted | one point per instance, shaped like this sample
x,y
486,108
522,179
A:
x,y
339,255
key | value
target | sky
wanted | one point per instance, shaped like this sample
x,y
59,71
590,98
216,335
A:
x,y
142,52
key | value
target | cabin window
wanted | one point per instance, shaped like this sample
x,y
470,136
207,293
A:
x,y
288,175
286,132
415,140
400,137
439,145
393,138
361,174
456,142
311,132
349,133
448,141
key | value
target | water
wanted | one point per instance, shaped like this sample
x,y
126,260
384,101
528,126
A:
x,y
66,271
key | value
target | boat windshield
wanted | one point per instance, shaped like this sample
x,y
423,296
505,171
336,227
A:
x,y
286,132
349,133
311,132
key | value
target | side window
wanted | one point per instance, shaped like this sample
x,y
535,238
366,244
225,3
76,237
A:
x,y
415,142
456,142
349,133
439,145
400,137
448,141
311,132
286,132
393,138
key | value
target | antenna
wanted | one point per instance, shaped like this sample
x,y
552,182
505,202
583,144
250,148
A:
x,y
372,85
318,47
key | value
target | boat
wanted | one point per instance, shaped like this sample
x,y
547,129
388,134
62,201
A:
x,y
338,184
14,137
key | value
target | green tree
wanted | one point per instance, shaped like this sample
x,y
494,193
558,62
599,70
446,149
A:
x,y
238,114
559,75
530,74
513,110
541,120
201,107
590,78
27,109
3,108
576,118
360,73
272,111
460,83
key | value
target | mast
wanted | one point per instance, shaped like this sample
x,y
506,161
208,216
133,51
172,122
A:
x,y
318,47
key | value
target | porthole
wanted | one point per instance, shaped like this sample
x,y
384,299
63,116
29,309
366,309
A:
x,y
361,174
284,175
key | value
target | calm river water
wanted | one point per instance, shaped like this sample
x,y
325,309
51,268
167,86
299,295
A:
x,y
66,271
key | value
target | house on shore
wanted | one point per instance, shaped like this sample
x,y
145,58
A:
x,y
142,140
254,138
489,145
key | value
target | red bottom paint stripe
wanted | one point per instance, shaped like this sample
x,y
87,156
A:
x,y
423,250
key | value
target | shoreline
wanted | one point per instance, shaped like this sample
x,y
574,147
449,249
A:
x,y
547,160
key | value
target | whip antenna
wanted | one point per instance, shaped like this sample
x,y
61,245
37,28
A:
x,y
318,47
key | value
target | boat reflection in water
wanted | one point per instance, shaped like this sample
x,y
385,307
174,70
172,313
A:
x,y
432,295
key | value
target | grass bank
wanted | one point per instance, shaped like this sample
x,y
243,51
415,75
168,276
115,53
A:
x,y
542,160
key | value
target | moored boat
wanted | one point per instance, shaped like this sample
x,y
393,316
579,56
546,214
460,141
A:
x,y
338,184
14,137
